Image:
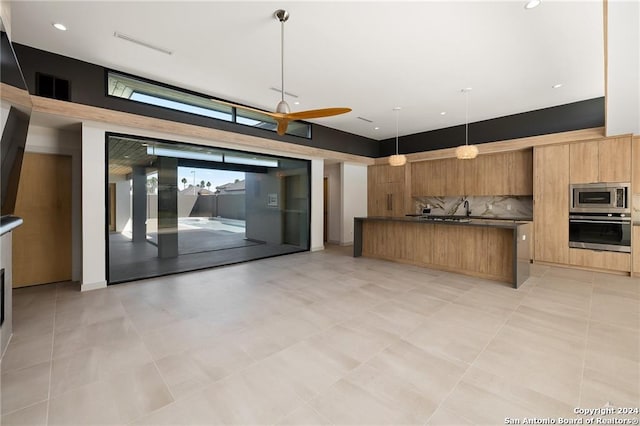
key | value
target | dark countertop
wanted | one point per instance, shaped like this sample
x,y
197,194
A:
x,y
473,221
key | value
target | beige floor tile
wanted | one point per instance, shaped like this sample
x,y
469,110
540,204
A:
x,y
393,318
76,339
195,409
256,396
616,307
408,378
306,369
26,352
178,337
97,363
613,341
420,302
549,364
450,340
558,302
487,399
348,404
27,324
540,321
353,340
499,301
34,415
120,399
22,388
446,417
304,415
619,283
325,328
570,274
621,390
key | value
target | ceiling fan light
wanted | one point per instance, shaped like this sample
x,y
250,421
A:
x,y
466,152
397,160
283,107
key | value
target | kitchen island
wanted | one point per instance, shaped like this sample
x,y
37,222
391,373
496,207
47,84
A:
x,y
491,249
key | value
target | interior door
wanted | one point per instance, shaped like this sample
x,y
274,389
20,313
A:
x,y
42,245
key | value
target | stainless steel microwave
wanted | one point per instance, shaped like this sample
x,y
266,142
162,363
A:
x,y
599,198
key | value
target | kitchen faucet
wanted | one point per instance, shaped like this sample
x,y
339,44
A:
x,y
466,208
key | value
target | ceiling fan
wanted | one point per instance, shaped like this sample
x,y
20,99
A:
x,y
283,114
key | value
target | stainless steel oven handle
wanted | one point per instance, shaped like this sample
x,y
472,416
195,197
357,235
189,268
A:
x,y
620,222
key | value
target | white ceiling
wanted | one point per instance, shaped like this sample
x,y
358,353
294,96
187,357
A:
x,y
369,56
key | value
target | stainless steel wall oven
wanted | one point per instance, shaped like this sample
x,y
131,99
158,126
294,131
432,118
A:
x,y
610,232
599,217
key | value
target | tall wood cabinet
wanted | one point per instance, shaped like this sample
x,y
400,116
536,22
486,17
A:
x,y
551,203
385,190
606,160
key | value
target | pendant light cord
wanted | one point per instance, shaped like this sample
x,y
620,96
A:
x,y
466,126
282,59
397,119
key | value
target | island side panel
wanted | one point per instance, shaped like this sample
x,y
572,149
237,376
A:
x,y
481,251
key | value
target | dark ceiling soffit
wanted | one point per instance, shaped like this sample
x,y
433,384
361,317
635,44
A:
x,y
88,88
579,115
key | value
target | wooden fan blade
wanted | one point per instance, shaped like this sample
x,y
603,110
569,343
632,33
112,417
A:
x,y
283,123
316,113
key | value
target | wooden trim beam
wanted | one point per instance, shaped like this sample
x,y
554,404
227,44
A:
x,y
82,112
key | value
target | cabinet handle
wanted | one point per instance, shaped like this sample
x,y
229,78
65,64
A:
x,y
389,202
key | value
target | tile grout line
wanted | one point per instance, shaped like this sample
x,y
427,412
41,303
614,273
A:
x,y
53,339
471,364
586,345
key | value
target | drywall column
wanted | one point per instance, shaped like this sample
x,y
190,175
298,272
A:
x,y
317,205
167,207
93,208
6,328
139,205
623,67
354,198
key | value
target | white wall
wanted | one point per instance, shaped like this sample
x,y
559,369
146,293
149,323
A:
x,y
44,140
317,204
623,79
5,262
354,198
334,204
93,208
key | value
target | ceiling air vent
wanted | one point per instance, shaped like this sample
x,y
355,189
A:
x,y
365,119
142,43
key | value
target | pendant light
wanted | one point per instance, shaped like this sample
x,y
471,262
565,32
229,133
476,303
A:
x,y
397,159
466,151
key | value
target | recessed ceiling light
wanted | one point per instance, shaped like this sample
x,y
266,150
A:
x,y
443,113
557,86
296,103
376,128
530,4
59,26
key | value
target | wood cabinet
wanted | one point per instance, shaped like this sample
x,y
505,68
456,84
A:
x,y
385,190
635,162
507,173
606,160
481,251
607,260
635,250
551,203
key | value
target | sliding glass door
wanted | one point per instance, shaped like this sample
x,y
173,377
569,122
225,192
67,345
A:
x,y
181,207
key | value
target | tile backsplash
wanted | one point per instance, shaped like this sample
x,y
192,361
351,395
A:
x,y
490,206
